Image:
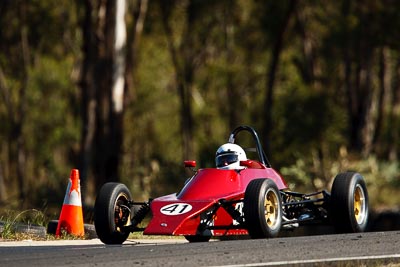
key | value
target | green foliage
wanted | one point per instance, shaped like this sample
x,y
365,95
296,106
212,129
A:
x,y
12,218
231,46
383,180
382,177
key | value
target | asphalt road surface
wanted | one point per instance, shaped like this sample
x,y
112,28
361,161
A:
x,y
367,249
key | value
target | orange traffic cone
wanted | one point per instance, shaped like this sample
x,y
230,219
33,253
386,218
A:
x,y
71,217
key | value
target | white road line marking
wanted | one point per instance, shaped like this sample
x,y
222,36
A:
x,y
274,263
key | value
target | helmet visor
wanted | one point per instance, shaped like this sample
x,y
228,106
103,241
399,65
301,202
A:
x,y
225,160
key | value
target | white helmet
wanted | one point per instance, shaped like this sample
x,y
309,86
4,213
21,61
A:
x,y
228,157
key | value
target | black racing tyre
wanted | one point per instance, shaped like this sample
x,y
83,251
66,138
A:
x,y
52,227
112,212
197,238
36,230
349,203
262,208
90,231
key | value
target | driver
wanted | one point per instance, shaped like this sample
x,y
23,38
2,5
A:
x,y
228,157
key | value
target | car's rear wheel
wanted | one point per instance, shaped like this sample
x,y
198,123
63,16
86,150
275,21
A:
x,y
112,213
349,203
262,208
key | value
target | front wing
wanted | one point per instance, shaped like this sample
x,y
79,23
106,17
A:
x,y
216,217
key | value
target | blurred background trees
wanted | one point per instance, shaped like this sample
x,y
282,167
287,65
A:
x,y
125,90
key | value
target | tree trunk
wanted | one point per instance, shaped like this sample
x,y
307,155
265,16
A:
x,y
358,86
88,92
133,40
394,119
233,94
184,73
384,84
108,136
3,192
115,139
271,75
19,121
4,93
308,66
361,121
103,83
367,125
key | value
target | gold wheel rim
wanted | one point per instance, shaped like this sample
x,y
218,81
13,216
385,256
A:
x,y
121,200
359,204
271,207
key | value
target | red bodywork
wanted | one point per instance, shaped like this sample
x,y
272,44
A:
x,y
181,214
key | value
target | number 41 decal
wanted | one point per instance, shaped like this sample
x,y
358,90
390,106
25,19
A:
x,y
176,209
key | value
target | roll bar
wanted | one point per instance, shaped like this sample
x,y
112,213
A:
x,y
260,151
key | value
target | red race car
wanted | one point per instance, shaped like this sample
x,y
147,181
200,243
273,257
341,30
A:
x,y
240,196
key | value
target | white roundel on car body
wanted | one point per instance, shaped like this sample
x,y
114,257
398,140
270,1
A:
x,y
176,209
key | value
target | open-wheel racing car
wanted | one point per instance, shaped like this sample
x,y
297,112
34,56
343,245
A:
x,y
239,197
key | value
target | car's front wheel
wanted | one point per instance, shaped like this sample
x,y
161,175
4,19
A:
x,y
262,208
349,203
112,213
